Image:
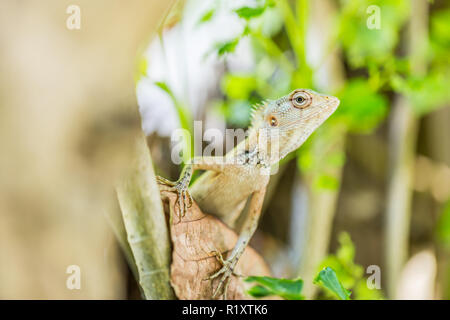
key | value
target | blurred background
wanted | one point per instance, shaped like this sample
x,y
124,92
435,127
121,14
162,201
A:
x,y
370,190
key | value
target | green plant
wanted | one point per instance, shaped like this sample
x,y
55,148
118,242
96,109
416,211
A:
x,y
291,289
350,273
338,274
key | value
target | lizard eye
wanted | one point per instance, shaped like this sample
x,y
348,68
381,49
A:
x,y
301,100
273,121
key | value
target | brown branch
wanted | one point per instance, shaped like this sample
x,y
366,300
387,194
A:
x,y
195,237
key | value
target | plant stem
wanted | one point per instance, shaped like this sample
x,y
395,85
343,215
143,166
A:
x,y
145,224
295,33
403,138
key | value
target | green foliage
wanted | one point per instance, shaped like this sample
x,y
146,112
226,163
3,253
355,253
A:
x,y
434,86
249,12
207,16
329,280
277,30
185,119
361,108
238,86
440,27
343,261
338,274
440,37
183,112
363,45
350,274
428,91
268,24
425,93
227,46
291,289
268,286
374,50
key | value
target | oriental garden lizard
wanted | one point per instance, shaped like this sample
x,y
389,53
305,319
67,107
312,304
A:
x,y
278,127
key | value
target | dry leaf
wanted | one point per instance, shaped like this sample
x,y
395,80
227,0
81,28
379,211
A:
x,y
194,238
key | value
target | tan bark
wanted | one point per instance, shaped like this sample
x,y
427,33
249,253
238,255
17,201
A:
x,y
195,237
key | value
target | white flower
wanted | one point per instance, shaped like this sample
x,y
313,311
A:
x,y
186,63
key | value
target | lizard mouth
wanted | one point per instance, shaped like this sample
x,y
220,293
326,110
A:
x,y
332,102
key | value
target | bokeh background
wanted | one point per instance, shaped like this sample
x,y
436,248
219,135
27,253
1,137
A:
x,y
370,187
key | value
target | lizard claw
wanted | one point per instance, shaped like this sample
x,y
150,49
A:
x,y
226,271
182,201
182,193
164,182
180,187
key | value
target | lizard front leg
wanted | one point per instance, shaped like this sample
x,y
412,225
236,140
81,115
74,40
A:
x,y
181,185
249,227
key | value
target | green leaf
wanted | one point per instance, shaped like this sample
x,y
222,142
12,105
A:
x,y
350,274
285,288
343,262
249,12
185,118
259,291
184,114
362,44
329,280
227,46
206,16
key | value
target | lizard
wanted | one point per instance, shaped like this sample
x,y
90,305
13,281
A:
x,y
278,127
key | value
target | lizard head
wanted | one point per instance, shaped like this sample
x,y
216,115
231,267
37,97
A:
x,y
294,117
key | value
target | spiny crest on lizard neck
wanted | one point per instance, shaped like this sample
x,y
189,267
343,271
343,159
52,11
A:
x,y
257,111
295,116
